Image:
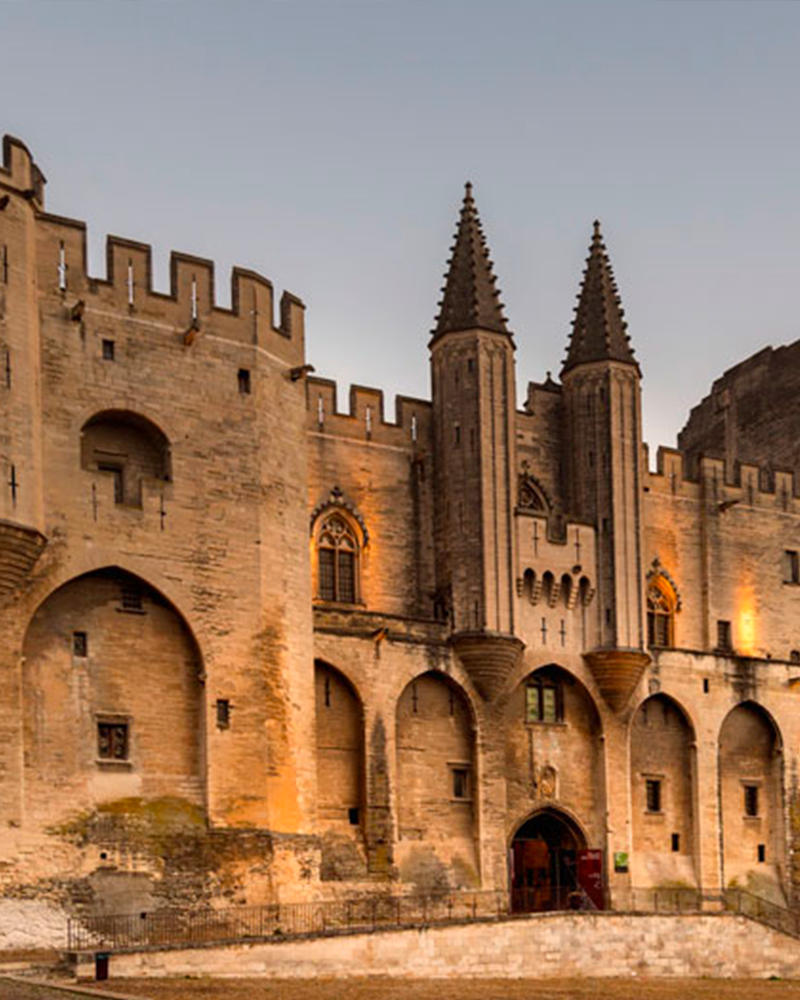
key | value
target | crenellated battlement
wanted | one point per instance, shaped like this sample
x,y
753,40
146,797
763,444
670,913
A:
x,y
730,483
365,420
126,291
190,304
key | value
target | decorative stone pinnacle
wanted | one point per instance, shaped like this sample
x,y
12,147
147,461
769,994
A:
x,y
471,300
598,329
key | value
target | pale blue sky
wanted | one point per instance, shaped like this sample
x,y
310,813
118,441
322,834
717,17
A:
x,y
326,145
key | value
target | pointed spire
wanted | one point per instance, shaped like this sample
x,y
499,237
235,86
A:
x,y
599,330
470,298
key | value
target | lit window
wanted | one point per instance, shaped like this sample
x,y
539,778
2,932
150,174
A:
x,y
653,795
543,701
660,615
337,561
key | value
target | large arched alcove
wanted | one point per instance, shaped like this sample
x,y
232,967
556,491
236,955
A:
x,y
112,698
128,448
551,724
340,751
751,796
436,783
662,794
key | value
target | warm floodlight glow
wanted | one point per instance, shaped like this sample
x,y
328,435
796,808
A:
x,y
746,619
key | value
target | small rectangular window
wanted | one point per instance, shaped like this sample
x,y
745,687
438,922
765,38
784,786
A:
x,y
792,567
751,800
112,741
108,350
653,794
244,381
115,471
705,685
762,853
676,843
460,782
223,713
543,703
80,644
724,636
353,816
131,598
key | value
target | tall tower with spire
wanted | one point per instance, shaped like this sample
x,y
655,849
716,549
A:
x,y
473,389
601,380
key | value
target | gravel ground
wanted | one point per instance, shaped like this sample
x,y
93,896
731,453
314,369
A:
x,y
455,989
25,991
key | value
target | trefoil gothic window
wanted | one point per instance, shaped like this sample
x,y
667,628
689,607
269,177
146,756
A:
x,y
338,561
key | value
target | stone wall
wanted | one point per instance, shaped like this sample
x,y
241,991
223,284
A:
x,y
540,947
752,413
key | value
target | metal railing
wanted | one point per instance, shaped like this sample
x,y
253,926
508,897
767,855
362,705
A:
x,y
277,921
550,900
669,899
763,910
280,921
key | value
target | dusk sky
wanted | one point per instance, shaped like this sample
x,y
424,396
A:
x,y
326,144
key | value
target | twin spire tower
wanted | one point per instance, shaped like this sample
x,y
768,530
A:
x,y
475,436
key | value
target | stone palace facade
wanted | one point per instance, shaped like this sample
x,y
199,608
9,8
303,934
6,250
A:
x,y
256,645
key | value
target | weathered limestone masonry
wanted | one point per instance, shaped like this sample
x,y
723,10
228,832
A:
x,y
253,648
544,946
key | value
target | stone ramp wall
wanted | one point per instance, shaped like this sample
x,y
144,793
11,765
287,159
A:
x,y
539,946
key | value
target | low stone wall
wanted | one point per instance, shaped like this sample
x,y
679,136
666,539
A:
x,y
538,946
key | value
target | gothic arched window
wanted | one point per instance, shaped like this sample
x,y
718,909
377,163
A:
x,y
337,552
660,614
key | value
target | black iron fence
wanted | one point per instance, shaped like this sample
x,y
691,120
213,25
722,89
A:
x,y
763,910
669,899
550,899
277,921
